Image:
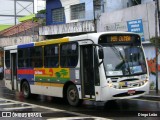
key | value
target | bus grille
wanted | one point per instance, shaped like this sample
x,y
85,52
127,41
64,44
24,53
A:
x,y
128,83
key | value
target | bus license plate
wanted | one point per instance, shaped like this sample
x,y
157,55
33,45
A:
x,y
131,92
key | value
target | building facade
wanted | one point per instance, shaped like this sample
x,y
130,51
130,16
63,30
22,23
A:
x,y
70,17
67,11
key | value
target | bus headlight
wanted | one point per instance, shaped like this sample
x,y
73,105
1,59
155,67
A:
x,y
110,85
144,77
145,81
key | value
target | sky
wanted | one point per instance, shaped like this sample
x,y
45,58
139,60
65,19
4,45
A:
x,y
39,4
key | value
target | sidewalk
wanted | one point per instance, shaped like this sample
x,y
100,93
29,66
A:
x,y
152,96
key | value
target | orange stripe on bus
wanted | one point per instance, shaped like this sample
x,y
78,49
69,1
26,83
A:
x,y
49,84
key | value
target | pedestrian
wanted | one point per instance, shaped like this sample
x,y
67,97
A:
x,y
1,73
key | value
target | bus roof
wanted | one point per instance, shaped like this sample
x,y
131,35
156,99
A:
x,y
26,45
89,36
52,41
94,36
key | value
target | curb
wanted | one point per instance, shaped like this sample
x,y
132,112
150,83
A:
x,y
152,96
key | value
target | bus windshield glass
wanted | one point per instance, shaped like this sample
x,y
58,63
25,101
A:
x,y
124,60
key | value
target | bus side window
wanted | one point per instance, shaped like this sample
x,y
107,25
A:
x,y
31,57
23,58
7,58
51,56
69,55
20,58
38,56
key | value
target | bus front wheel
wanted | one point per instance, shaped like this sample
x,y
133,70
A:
x,y
25,89
73,96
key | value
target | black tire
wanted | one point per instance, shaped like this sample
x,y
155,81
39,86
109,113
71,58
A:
x,y
26,89
73,96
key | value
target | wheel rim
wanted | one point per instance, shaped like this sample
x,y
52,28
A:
x,y
72,95
25,89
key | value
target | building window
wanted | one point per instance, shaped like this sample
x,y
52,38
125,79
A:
x,y
97,5
51,55
69,55
58,15
135,2
78,11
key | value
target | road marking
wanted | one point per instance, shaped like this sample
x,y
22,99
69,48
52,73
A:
x,y
48,108
3,101
19,108
79,118
3,104
53,109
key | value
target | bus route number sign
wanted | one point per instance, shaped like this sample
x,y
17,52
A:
x,y
125,38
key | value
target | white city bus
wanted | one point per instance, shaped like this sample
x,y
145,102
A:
x,y
96,66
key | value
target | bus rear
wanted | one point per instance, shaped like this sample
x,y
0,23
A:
x,y
124,72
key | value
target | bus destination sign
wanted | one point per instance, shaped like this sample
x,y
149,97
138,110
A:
x,y
120,38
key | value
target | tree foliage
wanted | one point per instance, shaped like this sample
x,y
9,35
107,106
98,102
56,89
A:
x,y
153,41
40,20
41,12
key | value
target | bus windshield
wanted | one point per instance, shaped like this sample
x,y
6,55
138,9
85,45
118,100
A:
x,y
124,60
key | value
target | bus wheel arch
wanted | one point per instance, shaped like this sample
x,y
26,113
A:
x,y
25,88
70,93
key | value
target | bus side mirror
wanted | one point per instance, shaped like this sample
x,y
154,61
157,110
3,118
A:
x,y
100,53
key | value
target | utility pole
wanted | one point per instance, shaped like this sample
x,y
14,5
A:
x,y
96,5
15,12
157,22
95,24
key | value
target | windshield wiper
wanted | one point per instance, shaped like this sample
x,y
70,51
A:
x,y
119,54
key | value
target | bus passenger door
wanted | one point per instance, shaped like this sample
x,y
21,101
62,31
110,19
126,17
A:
x,y
14,83
87,72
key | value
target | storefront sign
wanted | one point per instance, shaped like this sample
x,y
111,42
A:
x,y
76,27
136,26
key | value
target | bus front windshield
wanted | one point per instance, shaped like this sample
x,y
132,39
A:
x,y
124,60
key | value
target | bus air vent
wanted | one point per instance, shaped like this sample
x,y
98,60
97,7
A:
x,y
129,80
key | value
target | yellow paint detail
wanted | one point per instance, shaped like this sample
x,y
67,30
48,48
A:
x,y
50,72
51,41
49,84
121,83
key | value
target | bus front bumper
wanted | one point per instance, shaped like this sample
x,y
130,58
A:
x,y
125,93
